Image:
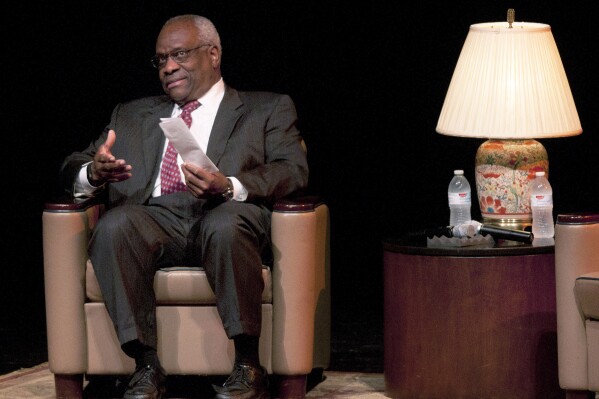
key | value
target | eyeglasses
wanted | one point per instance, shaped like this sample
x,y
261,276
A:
x,y
179,56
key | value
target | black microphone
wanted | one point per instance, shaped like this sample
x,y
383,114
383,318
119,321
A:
x,y
473,227
508,234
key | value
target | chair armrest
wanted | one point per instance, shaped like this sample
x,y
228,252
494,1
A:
x,y
586,289
576,253
301,293
298,204
66,227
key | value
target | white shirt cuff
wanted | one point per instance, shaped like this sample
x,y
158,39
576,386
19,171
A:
x,y
83,187
239,192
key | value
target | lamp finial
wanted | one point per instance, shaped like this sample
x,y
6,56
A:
x,y
511,16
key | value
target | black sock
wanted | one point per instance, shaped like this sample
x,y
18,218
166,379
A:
x,y
143,354
246,349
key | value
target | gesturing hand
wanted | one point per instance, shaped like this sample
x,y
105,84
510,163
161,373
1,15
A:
x,y
106,168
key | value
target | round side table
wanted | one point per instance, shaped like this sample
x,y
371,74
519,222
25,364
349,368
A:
x,y
470,322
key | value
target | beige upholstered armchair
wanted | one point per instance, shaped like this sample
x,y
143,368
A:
x,y
295,336
577,282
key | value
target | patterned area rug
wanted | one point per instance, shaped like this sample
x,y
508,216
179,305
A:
x,y
37,382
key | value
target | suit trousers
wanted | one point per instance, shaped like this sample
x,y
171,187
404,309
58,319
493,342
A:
x,y
131,242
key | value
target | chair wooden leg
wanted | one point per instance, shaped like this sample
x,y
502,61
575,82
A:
x,y
68,386
291,386
570,394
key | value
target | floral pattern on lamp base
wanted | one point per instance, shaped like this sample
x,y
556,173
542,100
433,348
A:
x,y
503,170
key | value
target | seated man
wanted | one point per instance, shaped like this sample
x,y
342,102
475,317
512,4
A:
x,y
217,219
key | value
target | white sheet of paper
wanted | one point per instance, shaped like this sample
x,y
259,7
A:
x,y
186,145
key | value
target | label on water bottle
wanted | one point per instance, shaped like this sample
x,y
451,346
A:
x,y
459,198
541,200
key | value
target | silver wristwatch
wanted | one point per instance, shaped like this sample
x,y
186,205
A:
x,y
228,193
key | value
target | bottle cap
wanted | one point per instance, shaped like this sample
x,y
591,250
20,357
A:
x,y
458,172
540,173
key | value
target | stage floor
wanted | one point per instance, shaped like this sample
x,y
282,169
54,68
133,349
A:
x,y
38,383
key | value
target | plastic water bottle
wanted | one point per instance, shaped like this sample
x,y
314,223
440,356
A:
x,y
460,199
541,203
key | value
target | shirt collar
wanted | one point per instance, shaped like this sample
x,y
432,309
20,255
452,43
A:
x,y
211,100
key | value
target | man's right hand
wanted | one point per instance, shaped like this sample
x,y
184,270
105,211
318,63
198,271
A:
x,y
106,168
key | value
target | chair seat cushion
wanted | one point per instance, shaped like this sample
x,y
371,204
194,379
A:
x,y
586,290
177,286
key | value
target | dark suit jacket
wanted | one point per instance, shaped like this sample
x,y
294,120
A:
x,y
254,138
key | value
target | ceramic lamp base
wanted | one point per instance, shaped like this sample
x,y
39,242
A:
x,y
504,169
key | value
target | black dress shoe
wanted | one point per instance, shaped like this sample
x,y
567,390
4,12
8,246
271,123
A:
x,y
147,382
245,382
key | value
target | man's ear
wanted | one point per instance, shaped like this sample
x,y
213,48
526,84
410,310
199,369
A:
x,y
215,54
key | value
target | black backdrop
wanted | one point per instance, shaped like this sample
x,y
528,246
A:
x,y
368,80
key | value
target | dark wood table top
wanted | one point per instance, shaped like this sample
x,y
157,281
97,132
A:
x,y
418,246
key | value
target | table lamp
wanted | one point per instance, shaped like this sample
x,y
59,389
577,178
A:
x,y
509,87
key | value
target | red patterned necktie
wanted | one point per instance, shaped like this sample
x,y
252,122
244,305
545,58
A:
x,y
170,177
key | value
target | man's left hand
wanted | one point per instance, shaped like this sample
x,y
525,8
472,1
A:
x,y
203,184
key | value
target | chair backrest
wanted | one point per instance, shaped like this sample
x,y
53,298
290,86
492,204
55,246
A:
x,y
576,253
